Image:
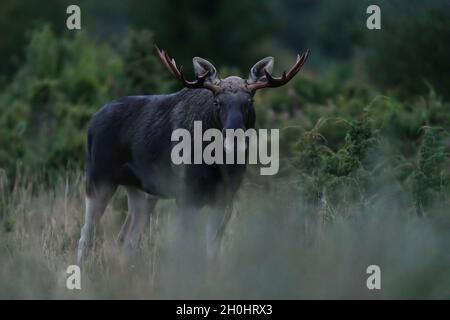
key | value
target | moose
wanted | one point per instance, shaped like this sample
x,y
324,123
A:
x,y
129,144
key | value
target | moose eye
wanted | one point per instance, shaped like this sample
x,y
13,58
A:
x,y
216,103
250,101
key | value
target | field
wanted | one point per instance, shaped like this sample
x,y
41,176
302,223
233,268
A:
x,y
293,252
364,173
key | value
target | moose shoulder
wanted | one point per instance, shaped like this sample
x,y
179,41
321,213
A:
x,y
129,144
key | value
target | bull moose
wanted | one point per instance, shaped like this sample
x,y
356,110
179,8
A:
x,y
129,144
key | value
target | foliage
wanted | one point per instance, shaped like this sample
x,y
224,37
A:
x,y
364,171
413,54
428,179
346,144
340,141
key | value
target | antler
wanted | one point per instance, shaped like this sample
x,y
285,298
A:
x,y
273,82
199,82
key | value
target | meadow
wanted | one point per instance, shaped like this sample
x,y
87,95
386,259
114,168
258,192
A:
x,y
363,179
277,246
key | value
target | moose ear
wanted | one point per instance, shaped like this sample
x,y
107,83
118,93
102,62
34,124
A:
x,y
257,71
201,66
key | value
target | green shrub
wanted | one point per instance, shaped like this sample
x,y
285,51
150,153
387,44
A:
x,y
428,178
143,72
410,52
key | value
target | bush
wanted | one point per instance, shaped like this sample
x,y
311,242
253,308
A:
x,y
410,54
45,109
428,178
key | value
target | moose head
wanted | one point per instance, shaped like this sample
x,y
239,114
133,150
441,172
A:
x,y
233,96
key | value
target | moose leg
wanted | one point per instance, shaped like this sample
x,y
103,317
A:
x,y
96,203
215,229
140,206
185,230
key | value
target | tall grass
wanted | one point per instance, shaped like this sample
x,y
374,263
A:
x,y
277,246
364,179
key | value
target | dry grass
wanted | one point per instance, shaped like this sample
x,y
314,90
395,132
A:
x,y
276,248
